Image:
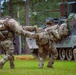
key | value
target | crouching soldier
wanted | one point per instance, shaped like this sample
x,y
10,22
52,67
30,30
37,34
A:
x,y
45,39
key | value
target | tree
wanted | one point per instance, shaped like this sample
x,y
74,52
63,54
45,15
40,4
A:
x,y
27,21
27,13
10,8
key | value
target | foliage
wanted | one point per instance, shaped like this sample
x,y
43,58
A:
x,y
40,7
37,9
5,8
30,67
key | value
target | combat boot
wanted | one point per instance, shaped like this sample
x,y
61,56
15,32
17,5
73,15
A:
x,y
1,65
50,65
12,62
12,66
41,64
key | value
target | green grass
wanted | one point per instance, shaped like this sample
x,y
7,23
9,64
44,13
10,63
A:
x,y
30,67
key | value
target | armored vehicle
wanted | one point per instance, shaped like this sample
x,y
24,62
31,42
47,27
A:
x,y
68,45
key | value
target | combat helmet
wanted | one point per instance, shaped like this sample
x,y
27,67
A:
x,y
49,21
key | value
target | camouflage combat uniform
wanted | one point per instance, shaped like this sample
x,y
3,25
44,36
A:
x,y
8,28
8,47
44,41
46,47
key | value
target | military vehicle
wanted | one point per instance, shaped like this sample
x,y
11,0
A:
x,y
65,47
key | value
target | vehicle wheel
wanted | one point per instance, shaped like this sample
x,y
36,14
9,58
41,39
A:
x,y
74,54
62,54
69,54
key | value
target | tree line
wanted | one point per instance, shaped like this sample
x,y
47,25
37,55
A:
x,y
38,10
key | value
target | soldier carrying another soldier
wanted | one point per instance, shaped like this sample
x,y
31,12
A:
x,y
44,40
8,28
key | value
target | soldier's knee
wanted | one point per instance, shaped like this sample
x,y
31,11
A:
x,y
10,52
11,57
55,56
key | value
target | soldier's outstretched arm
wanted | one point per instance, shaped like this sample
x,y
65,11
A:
x,y
14,26
30,28
31,34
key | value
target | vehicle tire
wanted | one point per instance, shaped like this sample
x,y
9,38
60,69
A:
x,y
62,54
74,54
69,54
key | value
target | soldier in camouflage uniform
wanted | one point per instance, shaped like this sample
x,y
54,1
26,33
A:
x,y
6,38
45,39
8,27
45,44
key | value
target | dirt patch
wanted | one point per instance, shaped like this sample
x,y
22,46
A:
x,y
25,58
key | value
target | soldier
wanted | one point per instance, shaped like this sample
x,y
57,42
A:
x,y
45,44
8,28
45,39
6,38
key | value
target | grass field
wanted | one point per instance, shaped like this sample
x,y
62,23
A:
x,y
30,67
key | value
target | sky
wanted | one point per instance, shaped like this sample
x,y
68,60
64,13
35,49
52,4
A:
x,y
2,1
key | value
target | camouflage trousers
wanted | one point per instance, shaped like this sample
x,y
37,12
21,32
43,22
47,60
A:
x,y
8,47
44,51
